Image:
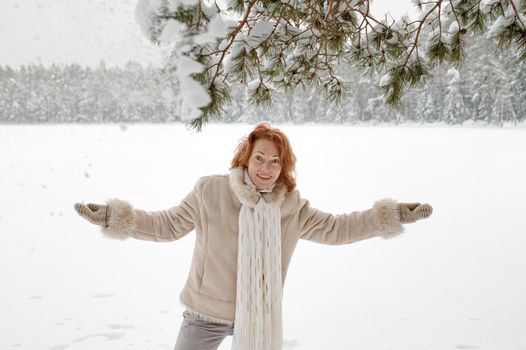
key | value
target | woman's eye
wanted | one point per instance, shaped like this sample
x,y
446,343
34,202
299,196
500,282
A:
x,y
275,161
259,158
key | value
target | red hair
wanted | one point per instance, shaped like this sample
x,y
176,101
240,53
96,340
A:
x,y
286,157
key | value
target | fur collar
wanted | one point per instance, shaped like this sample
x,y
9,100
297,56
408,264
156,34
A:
x,y
250,196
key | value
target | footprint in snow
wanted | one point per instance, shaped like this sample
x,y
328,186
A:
x,y
466,347
290,344
108,335
116,326
103,295
58,347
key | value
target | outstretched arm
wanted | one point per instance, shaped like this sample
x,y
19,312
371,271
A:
x,y
119,220
384,219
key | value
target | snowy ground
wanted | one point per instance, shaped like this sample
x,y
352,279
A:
x,y
454,281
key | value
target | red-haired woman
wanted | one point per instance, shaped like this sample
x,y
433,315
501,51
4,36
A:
x,y
247,224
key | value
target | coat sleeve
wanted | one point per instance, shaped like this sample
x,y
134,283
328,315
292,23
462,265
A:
x,y
381,220
160,226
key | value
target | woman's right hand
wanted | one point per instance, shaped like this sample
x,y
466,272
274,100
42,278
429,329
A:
x,y
411,212
95,213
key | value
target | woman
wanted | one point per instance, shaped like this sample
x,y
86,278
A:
x,y
247,225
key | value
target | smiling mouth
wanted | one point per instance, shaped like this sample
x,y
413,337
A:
x,y
264,177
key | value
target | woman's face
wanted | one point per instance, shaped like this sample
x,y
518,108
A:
x,y
264,165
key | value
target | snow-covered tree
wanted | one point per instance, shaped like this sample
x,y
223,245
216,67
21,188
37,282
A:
x,y
277,45
424,109
454,111
503,106
519,90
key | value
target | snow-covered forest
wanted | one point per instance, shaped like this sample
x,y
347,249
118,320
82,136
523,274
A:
x,y
488,89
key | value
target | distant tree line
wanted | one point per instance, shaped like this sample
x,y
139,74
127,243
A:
x,y
71,93
489,89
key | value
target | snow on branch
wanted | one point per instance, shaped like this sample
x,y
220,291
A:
x,y
277,45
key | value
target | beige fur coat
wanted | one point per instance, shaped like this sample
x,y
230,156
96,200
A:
x,y
212,210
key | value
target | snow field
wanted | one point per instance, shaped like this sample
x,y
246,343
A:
x,y
454,281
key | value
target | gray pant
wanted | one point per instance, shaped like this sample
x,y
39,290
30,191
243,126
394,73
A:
x,y
197,334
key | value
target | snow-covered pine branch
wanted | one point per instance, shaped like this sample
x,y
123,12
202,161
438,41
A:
x,y
276,45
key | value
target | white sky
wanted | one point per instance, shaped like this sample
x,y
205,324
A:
x,y
88,31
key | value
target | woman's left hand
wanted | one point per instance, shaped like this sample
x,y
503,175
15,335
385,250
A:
x,y
411,212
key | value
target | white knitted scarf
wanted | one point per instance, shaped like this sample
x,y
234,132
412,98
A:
x,y
258,319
